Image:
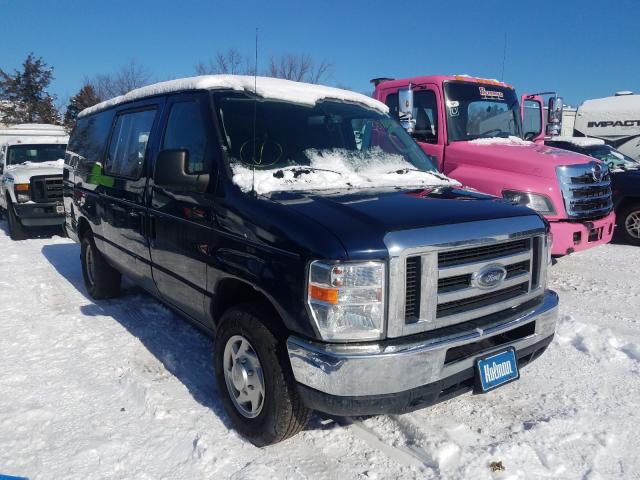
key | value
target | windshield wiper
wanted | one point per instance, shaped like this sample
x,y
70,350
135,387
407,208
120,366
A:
x,y
297,171
402,171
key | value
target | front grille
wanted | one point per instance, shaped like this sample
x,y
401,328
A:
x,y
457,296
412,298
471,303
585,196
457,257
46,188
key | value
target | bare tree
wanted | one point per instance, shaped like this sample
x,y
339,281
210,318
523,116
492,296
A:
x,y
298,67
231,62
129,76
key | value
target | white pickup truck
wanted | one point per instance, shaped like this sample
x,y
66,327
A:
x,y
31,165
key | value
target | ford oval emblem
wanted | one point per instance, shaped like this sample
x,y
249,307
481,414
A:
x,y
489,276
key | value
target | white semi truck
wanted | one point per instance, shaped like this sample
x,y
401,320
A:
x,y
616,120
31,165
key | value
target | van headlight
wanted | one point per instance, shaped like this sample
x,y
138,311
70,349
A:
x,y
347,300
540,203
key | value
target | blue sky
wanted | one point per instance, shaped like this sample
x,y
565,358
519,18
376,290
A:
x,y
583,49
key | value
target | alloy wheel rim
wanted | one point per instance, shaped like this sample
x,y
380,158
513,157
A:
x,y
243,376
632,224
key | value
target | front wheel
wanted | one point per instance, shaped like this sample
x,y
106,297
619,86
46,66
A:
x,y
16,229
254,378
100,278
629,223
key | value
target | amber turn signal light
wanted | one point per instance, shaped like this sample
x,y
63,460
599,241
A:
x,y
328,295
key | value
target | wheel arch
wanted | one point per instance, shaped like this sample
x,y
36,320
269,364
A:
x,y
231,292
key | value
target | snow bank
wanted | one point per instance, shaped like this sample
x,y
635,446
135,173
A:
x,y
267,87
336,169
580,141
511,140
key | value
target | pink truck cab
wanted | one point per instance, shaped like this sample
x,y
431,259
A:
x,y
472,129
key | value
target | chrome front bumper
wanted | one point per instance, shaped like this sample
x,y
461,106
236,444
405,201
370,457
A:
x,y
349,370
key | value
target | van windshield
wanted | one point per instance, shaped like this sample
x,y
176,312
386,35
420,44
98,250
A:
x,y
332,145
17,154
481,111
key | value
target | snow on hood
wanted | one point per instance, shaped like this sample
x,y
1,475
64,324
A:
x,y
579,141
339,169
50,164
265,87
511,140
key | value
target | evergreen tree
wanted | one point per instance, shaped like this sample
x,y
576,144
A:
x,y
24,97
85,98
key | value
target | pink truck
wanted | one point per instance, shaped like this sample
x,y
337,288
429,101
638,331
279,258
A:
x,y
472,129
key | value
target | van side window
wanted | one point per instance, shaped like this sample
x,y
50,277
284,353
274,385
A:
x,y
426,114
392,103
128,145
185,131
89,137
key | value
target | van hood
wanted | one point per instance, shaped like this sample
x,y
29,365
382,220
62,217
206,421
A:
x,y
360,219
526,158
23,172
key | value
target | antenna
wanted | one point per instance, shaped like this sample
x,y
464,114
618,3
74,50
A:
x,y
255,106
504,56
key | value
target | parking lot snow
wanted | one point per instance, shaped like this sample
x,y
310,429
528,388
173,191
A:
x,y
124,389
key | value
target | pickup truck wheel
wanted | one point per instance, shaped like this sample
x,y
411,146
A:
x,y
254,378
100,278
16,230
629,223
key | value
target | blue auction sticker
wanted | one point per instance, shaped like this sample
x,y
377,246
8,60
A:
x,y
497,369
9,477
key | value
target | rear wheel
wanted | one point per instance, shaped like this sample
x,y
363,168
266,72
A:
x,y
100,278
254,378
629,223
16,229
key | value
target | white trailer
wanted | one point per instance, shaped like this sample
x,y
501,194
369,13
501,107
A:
x,y
616,120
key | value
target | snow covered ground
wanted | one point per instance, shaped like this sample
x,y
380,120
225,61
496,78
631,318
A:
x,y
124,389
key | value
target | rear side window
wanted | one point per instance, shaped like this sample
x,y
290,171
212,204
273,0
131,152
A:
x,y
185,131
89,137
128,145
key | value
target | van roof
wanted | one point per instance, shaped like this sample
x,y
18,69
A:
x,y
266,87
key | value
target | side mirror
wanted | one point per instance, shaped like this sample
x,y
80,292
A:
x,y
171,173
554,116
405,109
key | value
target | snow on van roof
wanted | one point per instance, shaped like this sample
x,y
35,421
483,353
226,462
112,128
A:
x,y
579,141
267,87
35,140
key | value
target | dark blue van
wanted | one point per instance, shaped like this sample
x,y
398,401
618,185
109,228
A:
x,y
306,230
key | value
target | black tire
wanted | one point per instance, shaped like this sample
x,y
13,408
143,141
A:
x,y
16,229
100,279
626,218
283,414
